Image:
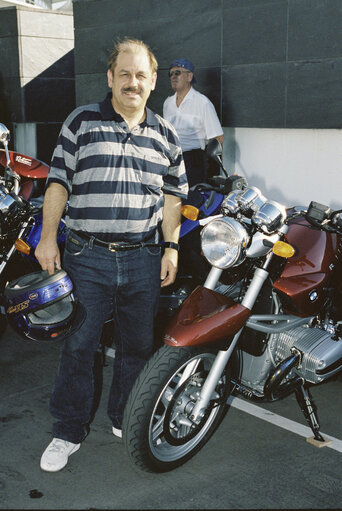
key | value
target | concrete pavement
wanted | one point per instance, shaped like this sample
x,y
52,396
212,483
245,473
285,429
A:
x,y
248,464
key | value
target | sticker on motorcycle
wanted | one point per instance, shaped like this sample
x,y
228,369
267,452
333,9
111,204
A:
x,y
23,160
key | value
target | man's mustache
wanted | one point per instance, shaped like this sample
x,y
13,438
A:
x,y
131,89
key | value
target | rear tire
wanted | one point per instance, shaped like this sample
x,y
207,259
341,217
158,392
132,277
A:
x,y
157,430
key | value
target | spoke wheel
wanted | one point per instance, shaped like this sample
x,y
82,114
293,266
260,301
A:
x,y
159,432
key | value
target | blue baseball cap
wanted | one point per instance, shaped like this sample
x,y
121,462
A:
x,y
185,64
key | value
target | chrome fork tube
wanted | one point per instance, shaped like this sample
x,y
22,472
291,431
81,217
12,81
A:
x,y
213,377
223,356
212,278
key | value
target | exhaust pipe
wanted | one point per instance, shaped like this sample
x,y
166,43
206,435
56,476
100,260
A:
x,y
273,388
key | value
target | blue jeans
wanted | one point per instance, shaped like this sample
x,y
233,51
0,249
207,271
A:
x,y
126,283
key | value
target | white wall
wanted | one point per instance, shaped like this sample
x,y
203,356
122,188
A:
x,y
291,166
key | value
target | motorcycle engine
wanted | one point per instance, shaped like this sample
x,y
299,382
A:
x,y
321,352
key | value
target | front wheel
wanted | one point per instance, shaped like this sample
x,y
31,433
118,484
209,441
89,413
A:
x,y
158,432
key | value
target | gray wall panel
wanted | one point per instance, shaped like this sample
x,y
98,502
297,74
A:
x,y
254,95
9,56
314,94
263,63
197,38
8,25
46,99
315,28
255,33
90,87
37,88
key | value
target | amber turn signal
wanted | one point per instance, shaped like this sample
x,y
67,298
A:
x,y
22,246
282,249
190,212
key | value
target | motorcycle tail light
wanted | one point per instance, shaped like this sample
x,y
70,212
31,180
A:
x,y
282,249
22,246
190,212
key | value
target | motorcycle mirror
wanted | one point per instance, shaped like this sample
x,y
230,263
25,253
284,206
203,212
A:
x,y
214,150
4,138
4,134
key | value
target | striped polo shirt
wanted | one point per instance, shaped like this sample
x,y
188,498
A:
x,y
116,178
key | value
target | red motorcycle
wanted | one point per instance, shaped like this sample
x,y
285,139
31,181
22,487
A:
x,y
33,173
267,323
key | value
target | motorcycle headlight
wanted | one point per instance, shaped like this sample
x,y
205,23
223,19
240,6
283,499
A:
x,y
224,242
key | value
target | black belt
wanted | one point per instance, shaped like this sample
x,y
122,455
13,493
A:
x,y
194,150
113,246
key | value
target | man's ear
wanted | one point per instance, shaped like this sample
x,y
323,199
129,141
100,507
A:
x,y
154,81
110,78
190,76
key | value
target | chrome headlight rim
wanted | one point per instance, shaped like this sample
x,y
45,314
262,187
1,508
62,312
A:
x,y
224,242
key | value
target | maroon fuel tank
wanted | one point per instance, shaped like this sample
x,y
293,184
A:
x,y
205,317
305,275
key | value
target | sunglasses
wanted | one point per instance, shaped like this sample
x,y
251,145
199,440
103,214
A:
x,y
177,72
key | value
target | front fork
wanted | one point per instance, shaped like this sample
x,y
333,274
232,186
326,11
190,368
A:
x,y
223,356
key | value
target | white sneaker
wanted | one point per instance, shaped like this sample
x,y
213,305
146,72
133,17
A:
x,y
56,455
117,432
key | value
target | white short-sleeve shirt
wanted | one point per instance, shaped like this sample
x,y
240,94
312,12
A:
x,y
195,120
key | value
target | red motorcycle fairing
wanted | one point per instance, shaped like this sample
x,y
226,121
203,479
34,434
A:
x,y
25,166
205,317
304,276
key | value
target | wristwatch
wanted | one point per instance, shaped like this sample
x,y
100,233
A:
x,y
171,244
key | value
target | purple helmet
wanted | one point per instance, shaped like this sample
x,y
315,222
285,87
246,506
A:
x,y
43,307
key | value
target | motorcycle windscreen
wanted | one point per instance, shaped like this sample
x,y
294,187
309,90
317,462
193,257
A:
x,y
205,317
25,166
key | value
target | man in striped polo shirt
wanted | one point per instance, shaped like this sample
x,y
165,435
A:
x,y
121,168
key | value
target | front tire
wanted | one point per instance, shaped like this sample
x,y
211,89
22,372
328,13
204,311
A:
x,y
157,430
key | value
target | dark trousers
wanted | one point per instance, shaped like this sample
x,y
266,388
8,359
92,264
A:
x,y
195,166
127,283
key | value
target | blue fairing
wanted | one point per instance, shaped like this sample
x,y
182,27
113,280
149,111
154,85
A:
x,y
33,236
211,204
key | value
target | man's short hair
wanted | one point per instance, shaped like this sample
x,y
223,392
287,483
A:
x,y
127,44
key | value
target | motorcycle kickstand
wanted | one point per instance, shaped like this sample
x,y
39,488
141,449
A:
x,y
309,410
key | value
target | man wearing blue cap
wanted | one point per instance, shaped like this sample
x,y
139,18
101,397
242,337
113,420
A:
x,y
194,117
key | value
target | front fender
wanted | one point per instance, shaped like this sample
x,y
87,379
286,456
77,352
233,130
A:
x,y
205,317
